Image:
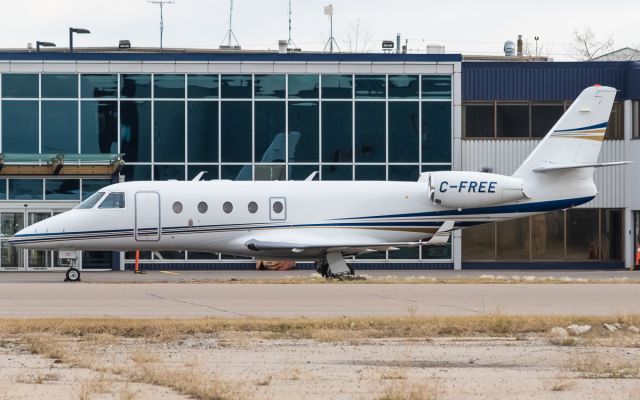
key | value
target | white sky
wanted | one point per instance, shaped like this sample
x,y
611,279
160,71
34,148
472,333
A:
x,y
467,26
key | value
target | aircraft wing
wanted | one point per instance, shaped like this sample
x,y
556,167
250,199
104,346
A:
x,y
302,244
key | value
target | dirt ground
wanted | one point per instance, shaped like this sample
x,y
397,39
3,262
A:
x,y
247,366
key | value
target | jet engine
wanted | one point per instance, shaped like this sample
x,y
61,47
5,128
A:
x,y
459,189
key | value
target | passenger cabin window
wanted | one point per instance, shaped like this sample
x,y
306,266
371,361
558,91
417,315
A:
x,y
91,201
113,200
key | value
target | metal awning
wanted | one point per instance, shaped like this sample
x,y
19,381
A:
x,y
60,164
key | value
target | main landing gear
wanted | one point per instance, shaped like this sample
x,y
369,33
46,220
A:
x,y
73,273
335,267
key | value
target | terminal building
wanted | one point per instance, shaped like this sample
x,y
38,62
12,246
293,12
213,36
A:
x,y
74,122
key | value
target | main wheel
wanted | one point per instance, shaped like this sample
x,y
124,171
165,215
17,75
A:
x,y
322,268
73,275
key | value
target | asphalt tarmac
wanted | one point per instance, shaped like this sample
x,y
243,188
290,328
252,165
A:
x,y
86,299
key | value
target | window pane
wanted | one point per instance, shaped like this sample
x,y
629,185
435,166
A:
x,y
582,234
371,86
478,120
91,186
304,120
12,223
20,126
98,85
269,130
370,131
202,86
547,231
90,202
166,172
612,242
301,172
337,173
436,87
136,172
407,253
62,189
3,189
135,130
202,128
168,131
636,119
403,86
513,239
168,86
403,173
337,86
478,243
99,127
20,85
270,173
270,86
236,86
97,259
371,173
236,131
25,189
60,127
436,252
543,117
512,120
403,131
236,172
615,127
303,86
336,131
135,85
436,131
59,85
211,172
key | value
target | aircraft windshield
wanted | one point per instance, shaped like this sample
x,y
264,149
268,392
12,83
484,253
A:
x,y
91,201
113,200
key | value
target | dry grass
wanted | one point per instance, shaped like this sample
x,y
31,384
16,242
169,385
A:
x,y
43,346
562,385
323,329
394,374
126,393
90,388
37,378
190,382
595,366
145,357
404,390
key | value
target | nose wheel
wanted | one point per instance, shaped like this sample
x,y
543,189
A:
x,y
73,273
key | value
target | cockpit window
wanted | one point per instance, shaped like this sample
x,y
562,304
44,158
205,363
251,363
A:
x,y
113,200
91,201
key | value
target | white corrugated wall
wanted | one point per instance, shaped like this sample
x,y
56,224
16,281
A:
x,y
504,156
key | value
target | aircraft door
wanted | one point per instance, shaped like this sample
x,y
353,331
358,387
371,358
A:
x,y
147,216
278,208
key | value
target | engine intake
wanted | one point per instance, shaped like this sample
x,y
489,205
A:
x,y
457,189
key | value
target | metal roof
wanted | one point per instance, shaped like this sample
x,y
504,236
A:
x,y
546,81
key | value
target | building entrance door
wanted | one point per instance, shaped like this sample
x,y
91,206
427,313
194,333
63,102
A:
x,y
14,259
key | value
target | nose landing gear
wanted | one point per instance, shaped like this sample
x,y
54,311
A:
x,y
73,273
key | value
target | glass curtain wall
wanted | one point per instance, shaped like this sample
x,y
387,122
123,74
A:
x,y
235,126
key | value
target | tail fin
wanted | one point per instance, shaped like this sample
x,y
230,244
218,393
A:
x,y
575,140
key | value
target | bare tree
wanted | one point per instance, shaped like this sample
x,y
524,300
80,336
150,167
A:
x,y
358,39
534,50
586,46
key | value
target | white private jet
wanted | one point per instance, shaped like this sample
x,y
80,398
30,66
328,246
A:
x,y
325,221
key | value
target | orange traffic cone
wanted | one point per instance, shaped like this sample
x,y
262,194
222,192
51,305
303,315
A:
x,y
638,257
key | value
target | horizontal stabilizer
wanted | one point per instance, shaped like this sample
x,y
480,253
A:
x,y
572,166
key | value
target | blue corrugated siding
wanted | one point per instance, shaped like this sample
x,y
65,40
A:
x,y
546,81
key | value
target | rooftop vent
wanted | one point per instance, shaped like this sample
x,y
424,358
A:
x,y
435,49
509,48
124,44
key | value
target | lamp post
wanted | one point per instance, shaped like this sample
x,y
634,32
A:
x,y
71,32
44,44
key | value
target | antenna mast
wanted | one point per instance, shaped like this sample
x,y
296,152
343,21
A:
x,y
161,3
290,41
328,10
230,36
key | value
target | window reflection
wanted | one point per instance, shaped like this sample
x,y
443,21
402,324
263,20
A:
x,y
135,85
336,131
236,86
59,127
236,131
371,86
202,86
403,86
436,131
304,120
304,86
270,86
62,189
99,127
403,131
168,131
269,125
370,131
337,86
436,87
20,85
203,131
98,85
135,130
168,86
20,126
59,85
